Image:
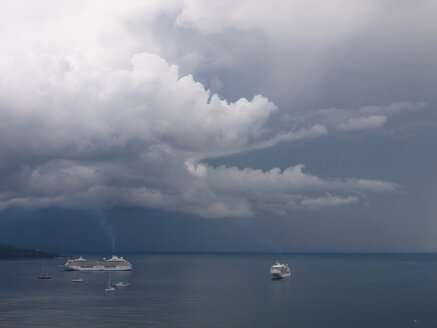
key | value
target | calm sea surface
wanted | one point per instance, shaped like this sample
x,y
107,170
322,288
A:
x,y
226,291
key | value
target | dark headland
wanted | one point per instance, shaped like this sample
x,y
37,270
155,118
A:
x,y
8,252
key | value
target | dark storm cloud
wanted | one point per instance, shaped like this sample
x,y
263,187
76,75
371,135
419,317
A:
x,y
93,115
135,137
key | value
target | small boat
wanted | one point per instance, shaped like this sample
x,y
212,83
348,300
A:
x,y
44,274
280,270
109,288
77,280
121,284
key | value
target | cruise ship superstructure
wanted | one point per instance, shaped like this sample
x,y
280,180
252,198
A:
x,y
280,270
113,264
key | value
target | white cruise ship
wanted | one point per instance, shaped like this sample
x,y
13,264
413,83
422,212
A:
x,y
280,270
113,264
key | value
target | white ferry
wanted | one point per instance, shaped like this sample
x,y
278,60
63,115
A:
x,y
280,270
113,264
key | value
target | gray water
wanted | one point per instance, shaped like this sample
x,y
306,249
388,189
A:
x,y
226,291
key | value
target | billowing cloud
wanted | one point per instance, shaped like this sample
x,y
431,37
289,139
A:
x,y
82,137
93,115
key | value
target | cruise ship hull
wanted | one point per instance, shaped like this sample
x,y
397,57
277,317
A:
x,y
276,276
96,268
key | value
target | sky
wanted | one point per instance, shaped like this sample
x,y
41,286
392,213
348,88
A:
x,y
173,126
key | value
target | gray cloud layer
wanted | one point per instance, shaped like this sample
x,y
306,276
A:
x,y
93,115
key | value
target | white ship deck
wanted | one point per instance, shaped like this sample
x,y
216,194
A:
x,y
113,264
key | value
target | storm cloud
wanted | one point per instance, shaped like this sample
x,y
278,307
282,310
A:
x,y
95,112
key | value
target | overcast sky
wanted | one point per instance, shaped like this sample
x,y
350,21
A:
x,y
219,125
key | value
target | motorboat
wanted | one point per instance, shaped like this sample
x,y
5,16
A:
x,y
121,284
77,280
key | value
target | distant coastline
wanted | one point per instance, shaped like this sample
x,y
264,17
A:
x,y
9,252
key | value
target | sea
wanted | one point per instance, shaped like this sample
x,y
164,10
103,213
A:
x,y
226,290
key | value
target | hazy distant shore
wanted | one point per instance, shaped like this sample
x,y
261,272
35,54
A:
x,y
9,252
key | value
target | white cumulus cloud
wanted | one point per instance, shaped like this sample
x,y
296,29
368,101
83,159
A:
x,y
93,115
